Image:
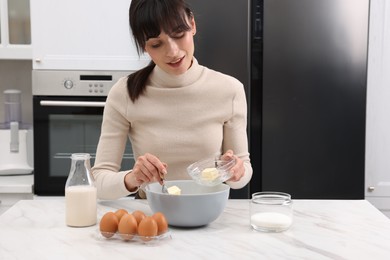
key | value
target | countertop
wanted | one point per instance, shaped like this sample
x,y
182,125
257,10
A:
x,y
322,229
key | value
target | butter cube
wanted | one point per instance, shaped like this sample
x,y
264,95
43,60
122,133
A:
x,y
209,174
174,190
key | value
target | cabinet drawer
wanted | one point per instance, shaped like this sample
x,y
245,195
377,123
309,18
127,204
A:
x,y
9,199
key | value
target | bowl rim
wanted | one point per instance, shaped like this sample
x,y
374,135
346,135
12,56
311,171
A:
x,y
225,188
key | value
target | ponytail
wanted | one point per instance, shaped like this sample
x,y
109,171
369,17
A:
x,y
136,82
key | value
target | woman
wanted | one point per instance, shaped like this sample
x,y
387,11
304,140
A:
x,y
174,111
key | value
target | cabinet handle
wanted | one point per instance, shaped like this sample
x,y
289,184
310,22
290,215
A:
x,y
371,188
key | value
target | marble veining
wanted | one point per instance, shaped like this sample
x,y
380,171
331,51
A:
x,y
322,229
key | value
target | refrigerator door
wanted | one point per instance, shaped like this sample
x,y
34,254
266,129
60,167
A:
x,y
313,99
222,43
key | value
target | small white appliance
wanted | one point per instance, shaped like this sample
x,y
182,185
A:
x,y
15,138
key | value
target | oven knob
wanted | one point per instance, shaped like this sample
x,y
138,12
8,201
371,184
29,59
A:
x,y
68,84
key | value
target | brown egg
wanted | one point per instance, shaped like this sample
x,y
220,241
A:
x,y
120,212
139,215
127,227
162,223
109,224
147,228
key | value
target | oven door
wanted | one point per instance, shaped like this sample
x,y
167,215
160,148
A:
x,y
62,126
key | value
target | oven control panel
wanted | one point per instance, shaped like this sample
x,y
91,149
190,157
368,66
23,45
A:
x,y
74,83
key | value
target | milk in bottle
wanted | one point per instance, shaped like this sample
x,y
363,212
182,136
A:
x,y
80,193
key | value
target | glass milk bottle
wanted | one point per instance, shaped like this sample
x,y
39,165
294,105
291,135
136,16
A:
x,y
80,193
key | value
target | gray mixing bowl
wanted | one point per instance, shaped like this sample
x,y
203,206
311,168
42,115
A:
x,y
196,206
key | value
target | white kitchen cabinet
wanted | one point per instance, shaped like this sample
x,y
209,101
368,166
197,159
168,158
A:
x,y
15,188
378,108
15,30
83,35
7,200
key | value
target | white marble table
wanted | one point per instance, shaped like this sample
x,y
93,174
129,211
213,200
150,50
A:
x,y
322,229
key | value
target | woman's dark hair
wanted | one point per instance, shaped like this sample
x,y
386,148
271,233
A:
x,y
147,19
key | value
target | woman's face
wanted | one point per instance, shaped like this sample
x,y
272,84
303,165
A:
x,y
173,53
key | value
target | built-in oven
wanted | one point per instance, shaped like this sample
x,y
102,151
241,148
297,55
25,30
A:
x,y
67,116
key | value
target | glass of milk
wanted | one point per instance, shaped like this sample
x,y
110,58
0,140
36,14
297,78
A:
x,y
271,211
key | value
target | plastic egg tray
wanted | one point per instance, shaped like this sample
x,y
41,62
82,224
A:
x,y
133,238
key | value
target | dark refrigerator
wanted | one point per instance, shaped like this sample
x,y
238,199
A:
x,y
304,67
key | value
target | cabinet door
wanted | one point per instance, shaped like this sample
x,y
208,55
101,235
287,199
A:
x,y
15,29
378,105
83,35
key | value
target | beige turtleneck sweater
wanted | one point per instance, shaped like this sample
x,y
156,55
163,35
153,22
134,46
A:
x,y
180,119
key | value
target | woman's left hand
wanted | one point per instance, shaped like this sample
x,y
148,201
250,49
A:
x,y
238,170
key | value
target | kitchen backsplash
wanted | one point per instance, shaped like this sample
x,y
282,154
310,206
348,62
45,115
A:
x,y
16,74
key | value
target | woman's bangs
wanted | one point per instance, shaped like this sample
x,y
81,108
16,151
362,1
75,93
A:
x,y
153,17
168,22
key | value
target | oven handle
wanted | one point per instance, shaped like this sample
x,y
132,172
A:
x,y
54,103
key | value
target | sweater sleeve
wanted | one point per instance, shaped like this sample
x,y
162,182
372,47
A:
x,y
235,136
109,179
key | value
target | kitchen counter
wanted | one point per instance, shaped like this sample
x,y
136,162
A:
x,y
322,229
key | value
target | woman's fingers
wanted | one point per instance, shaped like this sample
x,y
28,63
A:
x,y
228,155
238,170
148,168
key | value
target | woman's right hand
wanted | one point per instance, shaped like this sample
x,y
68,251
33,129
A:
x,y
147,168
